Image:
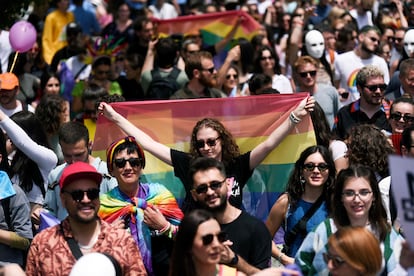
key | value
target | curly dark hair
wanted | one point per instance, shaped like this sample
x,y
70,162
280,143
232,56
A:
x,y
377,214
294,188
230,149
368,146
49,112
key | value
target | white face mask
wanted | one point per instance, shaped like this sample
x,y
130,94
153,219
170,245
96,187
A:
x,y
409,43
315,44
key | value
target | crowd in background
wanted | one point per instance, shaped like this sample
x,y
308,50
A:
x,y
338,213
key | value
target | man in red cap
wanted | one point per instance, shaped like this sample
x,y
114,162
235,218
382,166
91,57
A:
x,y
55,250
9,88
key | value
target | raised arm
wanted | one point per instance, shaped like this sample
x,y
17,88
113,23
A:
x,y
157,149
260,152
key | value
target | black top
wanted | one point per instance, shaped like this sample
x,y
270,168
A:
x,y
239,169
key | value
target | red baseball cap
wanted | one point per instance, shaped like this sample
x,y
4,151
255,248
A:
x,y
79,170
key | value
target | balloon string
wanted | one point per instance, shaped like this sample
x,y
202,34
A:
x,y
14,61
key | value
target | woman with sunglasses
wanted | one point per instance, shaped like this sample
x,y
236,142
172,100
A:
x,y
356,202
267,62
353,251
309,184
211,139
198,246
148,210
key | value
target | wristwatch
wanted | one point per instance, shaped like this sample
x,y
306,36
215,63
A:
x,y
234,261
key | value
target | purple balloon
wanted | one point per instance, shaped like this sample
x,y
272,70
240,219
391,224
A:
x,y
22,36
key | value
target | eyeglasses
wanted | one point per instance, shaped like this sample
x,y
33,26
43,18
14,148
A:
x,y
208,239
305,74
232,76
266,58
210,142
211,70
406,118
121,162
214,185
310,167
78,195
398,39
336,260
362,194
374,87
374,39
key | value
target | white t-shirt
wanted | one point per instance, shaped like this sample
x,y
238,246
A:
x,y
5,50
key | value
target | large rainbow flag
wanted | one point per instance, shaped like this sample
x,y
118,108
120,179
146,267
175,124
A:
x,y
213,26
250,119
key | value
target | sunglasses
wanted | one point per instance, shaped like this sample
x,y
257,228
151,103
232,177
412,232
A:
x,y
345,95
374,39
310,167
232,76
336,260
208,239
102,72
374,87
78,195
210,142
211,70
121,162
265,58
305,74
398,39
406,118
214,185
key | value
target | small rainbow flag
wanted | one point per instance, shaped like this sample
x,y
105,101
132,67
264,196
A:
x,y
250,119
213,26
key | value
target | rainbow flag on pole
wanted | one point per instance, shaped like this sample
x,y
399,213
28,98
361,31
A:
x,y
213,26
250,120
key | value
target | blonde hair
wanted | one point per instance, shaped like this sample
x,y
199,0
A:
x,y
359,248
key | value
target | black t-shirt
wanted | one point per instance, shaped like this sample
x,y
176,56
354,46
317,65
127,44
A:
x,y
351,115
131,89
253,243
239,169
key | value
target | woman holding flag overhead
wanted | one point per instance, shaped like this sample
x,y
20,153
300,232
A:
x,y
211,139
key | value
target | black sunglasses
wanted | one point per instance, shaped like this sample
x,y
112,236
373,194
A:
x,y
77,195
214,185
374,87
208,239
210,142
211,70
310,167
121,162
230,75
305,74
406,118
336,260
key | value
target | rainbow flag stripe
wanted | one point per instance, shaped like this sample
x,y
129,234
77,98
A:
x,y
250,119
214,26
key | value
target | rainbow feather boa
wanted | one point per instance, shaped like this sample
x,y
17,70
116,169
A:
x,y
116,204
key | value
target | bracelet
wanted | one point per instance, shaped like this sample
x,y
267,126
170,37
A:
x,y
279,258
163,230
172,232
294,119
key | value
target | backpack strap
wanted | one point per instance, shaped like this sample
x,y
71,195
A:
x,y
174,73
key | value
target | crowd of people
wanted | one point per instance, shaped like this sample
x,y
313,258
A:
x,y
64,211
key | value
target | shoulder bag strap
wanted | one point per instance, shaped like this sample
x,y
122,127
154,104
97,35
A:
x,y
291,235
73,245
